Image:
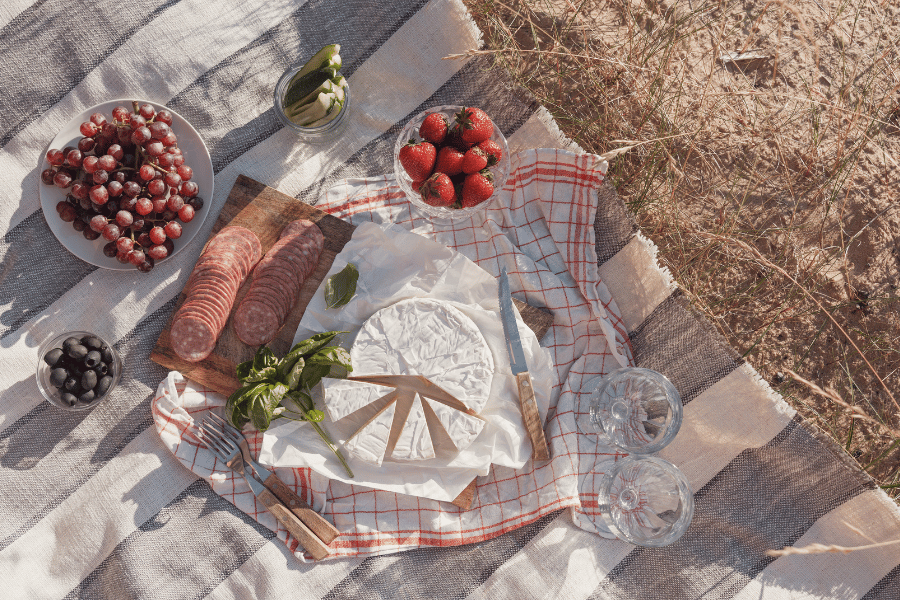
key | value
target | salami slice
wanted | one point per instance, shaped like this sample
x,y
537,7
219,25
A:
x,y
211,290
277,280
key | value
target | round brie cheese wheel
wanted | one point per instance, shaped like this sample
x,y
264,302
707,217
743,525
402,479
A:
x,y
427,337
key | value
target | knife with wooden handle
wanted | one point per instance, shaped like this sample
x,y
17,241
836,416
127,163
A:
x,y
530,413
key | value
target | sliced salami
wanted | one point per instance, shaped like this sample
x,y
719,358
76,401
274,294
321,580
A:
x,y
211,290
277,280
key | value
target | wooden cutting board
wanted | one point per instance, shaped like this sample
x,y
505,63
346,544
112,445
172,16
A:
x,y
265,211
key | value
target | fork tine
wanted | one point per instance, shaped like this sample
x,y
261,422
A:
x,y
226,427
211,440
228,444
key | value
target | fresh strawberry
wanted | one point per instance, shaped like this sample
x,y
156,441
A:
x,y
493,150
477,188
474,160
475,125
454,138
449,161
434,128
418,159
438,190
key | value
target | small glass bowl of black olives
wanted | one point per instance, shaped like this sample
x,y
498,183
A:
x,y
78,369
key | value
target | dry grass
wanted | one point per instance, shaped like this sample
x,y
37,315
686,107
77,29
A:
x,y
772,192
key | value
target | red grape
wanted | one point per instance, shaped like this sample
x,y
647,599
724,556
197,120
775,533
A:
x,y
173,230
107,162
147,265
131,188
125,244
88,129
116,152
98,223
144,206
111,232
147,111
159,203
98,119
166,160
175,202
90,234
110,249
158,130
186,214
164,116
185,172
47,176
169,139
189,189
136,256
114,188
158,252
154,148
55,157
124,218
147,172
99,195
137,121
74,158
172,179
100,176
144,240
156,187
120,113
67,213
124,135
78,225
140,136
85,144
89,164
62,179
157,235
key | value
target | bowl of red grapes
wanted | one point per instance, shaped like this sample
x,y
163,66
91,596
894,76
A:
x,y
121,184
77,370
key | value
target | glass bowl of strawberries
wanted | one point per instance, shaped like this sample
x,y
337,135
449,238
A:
x,y
451,161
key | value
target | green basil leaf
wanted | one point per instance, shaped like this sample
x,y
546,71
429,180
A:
x,y
264,374
264,358
314,415
288,363
313,374
236,405
341,287
259,416
296,375
301,399
244,369
332,355
314,342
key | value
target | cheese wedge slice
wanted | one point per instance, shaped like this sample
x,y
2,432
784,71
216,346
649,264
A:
x,y
414,442
371,440
461,427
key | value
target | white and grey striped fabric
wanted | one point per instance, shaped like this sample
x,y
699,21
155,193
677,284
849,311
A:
x,y
94,506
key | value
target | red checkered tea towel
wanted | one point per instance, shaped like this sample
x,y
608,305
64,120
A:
x,y
541,229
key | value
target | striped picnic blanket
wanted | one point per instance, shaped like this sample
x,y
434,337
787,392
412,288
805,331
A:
x,y
94,506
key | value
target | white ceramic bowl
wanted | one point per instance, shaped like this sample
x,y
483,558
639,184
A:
x,y
410,131
51,393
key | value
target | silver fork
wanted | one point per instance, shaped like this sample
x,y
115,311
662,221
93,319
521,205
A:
x,y
230,453
306,513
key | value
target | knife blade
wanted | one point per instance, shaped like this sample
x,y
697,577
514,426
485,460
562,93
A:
x,y
530,413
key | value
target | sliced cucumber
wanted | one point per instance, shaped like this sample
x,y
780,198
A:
x,y
305,80
307,85
328,56
327,87
334,111
315,110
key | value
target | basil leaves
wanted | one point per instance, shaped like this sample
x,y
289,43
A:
x,y
340,287
266,382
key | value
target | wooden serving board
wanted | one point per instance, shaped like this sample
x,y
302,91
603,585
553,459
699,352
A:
x,y
265,211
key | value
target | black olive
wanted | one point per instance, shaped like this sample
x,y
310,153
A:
x,y
78,352
103,385
53,357
87,397
92,342
68,398
72,385
106,355
66,345
92,359
101,369
89,380
58,376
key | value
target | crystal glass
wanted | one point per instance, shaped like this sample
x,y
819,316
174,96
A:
x,y
638,409
411,130
646,501
313,135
